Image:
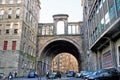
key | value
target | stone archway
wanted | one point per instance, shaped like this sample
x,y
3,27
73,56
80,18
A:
x,y
53,46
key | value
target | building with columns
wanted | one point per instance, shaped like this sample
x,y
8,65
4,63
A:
x,y
18,35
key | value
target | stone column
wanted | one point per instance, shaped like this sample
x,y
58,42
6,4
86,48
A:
x,y
99,60
54,27
65,26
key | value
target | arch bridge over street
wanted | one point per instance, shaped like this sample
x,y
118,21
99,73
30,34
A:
x,y
58,37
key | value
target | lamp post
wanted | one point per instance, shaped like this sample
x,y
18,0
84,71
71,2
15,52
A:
x,y
24,66
88,60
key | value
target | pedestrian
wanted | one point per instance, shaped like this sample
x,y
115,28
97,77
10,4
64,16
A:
x,y
3,76
10,76
15,74
47,74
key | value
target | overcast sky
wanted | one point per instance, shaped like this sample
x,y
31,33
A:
x,y
50,7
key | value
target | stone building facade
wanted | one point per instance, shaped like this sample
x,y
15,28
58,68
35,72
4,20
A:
x,y
18,35
85,39
103,23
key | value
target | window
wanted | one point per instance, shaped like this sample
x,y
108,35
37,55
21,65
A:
x,y
15,31
2,1
60,27
107,19
101,4
17,12
5,45
7,31
11,1
18,1
102,23
107,60
9,13
103,1
1,13
118,4
112,12
13,45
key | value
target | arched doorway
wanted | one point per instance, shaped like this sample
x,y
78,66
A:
x,y
54,48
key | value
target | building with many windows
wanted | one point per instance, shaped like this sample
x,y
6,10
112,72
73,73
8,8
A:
x,y
18,35
103,23
64,62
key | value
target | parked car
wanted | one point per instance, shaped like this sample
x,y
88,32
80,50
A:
x,y
88,73
54,75
70,73
103,74
85,73
77,75
32,74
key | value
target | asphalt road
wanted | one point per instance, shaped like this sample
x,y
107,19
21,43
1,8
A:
x,y
63,78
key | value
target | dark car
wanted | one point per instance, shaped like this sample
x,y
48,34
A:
x,y
105,74
54,75
32,74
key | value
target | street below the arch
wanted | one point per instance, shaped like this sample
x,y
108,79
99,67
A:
x,y
43,78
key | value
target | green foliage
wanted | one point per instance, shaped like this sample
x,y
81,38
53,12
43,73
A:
x,y
30,57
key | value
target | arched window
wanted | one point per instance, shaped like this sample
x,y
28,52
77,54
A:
x,y
17,12
1,14
60,27
9,13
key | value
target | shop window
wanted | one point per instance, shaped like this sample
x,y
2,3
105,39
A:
x,y
13,45
112,12
5,45
107,60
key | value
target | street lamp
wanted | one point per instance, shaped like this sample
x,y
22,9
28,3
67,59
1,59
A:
x,y
88,60
24,69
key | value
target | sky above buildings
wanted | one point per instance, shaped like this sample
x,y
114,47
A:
x,y
51,7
